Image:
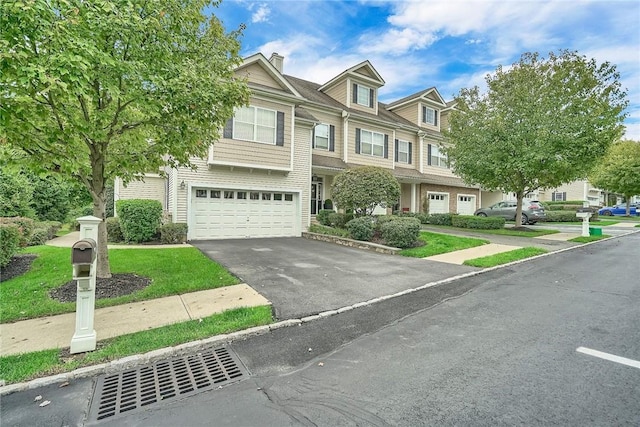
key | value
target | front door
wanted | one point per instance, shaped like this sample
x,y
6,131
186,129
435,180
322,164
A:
x,y
316,196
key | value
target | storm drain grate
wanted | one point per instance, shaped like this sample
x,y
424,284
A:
x,y
167,379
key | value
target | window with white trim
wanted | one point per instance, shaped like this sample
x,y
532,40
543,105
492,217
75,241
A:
x,y
371,143
436,157
255,124
362,95
430,116
559,196
321,137
403,151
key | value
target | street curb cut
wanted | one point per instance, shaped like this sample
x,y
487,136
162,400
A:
x,y
225,339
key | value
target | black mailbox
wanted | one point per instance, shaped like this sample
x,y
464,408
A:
x,y
83,252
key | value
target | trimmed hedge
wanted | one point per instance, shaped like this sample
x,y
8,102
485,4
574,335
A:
x,y
174,232
39,236
323,216
114,230
400,232
441,218
477,222
25,227
9,242
338,220
361,228
562,216
139,219
323,229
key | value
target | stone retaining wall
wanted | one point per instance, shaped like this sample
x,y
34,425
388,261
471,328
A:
x,y
351,243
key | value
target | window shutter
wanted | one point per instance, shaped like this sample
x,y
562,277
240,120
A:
x,y
429,154
386,146
228,129
313,137
371,98
435,117
410,150
553,196
396,151
355,93
357,141
424,114
332,138
564,196
280,129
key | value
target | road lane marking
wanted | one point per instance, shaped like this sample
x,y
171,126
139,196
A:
x,y
610,357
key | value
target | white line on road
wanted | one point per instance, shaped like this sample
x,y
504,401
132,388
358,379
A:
x,y
610,357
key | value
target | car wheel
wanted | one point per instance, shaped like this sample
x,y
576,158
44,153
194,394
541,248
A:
x,y
524,220
607,213
482,214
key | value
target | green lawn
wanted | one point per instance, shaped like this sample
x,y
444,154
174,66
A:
x,y
505,257
588,238
500,231
172,271
437,243
27,366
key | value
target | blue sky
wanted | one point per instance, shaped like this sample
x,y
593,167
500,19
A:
x,y
448,44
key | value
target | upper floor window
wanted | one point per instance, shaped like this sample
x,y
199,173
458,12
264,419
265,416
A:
x,y
429,116
256,124
436,157
372,143
403,151
324,137
363,95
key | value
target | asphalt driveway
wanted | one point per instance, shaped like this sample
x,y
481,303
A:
x,y
302,277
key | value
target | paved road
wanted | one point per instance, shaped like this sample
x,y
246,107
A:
x,y
303,277
495,349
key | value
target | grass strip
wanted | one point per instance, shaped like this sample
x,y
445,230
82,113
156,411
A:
x,y
500,231
172,271
437,243
27,366
588,239
504,257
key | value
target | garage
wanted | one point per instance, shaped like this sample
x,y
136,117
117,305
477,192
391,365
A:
x,y
231,214
438,203
466,204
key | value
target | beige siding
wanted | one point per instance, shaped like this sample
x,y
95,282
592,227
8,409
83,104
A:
x,y
490,197
153,188
368,160
415,149
256,74
426,125
335,120
444,121
405,197
410,112
256,153
338,92
365,71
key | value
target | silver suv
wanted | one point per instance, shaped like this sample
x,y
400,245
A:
x,y
532,211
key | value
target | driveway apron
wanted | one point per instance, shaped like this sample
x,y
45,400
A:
x,y
303,277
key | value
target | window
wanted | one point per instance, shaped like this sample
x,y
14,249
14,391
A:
x,y
242,195
215,194
436,157
277,196
559,196
228,194
288,197
362,95
371,143
403,153
254,195
430,116
321,137
436,197
255,124
201,193
266,196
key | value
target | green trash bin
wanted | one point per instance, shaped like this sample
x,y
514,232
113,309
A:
x,y
595,231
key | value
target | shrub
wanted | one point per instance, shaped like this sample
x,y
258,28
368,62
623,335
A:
x,y
16,194
39,236
383,219
361,189
440,218
323,216
25,227
51,226
77,213
338,220
173,232
9,242
114,231
323,229
361,228
401,233
139,219
562,216
328,204
478,222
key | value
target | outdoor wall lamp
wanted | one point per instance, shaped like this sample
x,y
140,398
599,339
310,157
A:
x,y
182,185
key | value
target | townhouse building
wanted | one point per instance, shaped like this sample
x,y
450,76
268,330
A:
x,y
272,170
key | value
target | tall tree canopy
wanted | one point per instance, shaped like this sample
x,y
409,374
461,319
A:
x,y
619,170
361,189
540,124
99,89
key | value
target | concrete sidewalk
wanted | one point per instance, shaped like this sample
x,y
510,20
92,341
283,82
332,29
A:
x,y
459,257
56,331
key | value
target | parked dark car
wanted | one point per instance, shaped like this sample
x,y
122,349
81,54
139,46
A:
x,y
532,211
620,209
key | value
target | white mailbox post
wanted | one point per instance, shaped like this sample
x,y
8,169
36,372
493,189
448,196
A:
x,y
584,213
84,262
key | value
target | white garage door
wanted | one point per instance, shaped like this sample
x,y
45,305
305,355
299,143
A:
x,y
228,214
466,205
438,203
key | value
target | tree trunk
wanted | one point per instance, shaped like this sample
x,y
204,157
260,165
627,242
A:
x,y
98,190
519,197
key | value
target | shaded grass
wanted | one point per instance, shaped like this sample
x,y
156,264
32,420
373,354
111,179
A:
x,y
588,239
600,223
172,271
331,231
504,258
27,366
500,231
437,243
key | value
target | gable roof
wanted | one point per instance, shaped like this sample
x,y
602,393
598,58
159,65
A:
x,y
420,96
263,62
363,71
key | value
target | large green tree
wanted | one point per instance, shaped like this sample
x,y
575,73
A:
x,y
619,170
361,189
104,88
541,123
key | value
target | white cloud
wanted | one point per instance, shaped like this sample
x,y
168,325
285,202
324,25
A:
x,y
262,14
395,41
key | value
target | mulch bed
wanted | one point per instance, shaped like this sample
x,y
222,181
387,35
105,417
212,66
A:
x,y
117,285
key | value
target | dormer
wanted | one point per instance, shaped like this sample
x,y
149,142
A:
x,y
356,88
422,108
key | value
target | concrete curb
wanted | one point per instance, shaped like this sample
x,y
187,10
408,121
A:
x,y
199,345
